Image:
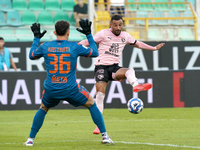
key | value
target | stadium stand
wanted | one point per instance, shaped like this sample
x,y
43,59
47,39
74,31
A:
x,y
185,34
72,20
14,18
52,5
158,19
67,5
49,35
132,6
5,5
145,6
2,19
162,5
178,6
19,5
155,34
141,14
8,34
28,17
45,18
36,5
174,14
146,19
159,22
75,35
186,21
102,20
61,15
192,2
24,35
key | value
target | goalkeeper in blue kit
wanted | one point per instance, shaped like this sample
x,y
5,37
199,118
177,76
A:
x,y
60,58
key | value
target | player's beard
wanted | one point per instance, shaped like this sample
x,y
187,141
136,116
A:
x,y
117,32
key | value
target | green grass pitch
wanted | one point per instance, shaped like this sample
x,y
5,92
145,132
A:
x,y
152,129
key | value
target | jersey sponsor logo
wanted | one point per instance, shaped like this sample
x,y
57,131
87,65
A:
x,y
59,79
100,76
106,52
114,48
123,40
110,38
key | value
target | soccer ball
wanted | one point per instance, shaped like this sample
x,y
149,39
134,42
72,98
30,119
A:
x,y
135,105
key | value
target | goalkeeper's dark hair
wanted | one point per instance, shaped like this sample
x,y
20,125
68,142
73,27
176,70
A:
x,y
61,27
1,38
116,17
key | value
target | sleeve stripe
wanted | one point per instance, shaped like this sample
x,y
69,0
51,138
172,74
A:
x,y
34,56
134,42
90,52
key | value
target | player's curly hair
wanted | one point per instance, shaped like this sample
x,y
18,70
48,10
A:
x,y
61,27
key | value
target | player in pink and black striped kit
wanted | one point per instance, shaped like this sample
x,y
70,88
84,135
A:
x,y
111,43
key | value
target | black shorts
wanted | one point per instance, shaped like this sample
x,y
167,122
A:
x,y
105,72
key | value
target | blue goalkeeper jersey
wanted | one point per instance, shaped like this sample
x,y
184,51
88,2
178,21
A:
x,y
61,59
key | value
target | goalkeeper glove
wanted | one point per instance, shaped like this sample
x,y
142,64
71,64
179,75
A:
x,y
86,26
36,30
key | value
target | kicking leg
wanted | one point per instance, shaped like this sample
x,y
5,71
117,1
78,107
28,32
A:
x,y
129,74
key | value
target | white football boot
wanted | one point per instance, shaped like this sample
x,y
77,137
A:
x,y
107,140
29,142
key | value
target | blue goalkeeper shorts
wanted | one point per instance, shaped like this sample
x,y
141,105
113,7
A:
x,y
77,96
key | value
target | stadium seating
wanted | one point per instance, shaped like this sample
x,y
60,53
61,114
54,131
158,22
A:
x,y
45,18
159,14
186,21
36,5
145,7
24,34
8,35
180,7
67,5
192,2
185,34
102,20
172,34
5,5
48,36
162,7
75,35
2,19
174,14
52,5
132,7
19,5
28,17
155,34
141,14
72,20
13,18
61,15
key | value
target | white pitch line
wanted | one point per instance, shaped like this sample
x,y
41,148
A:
x,y
7,123
123,142
153,144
